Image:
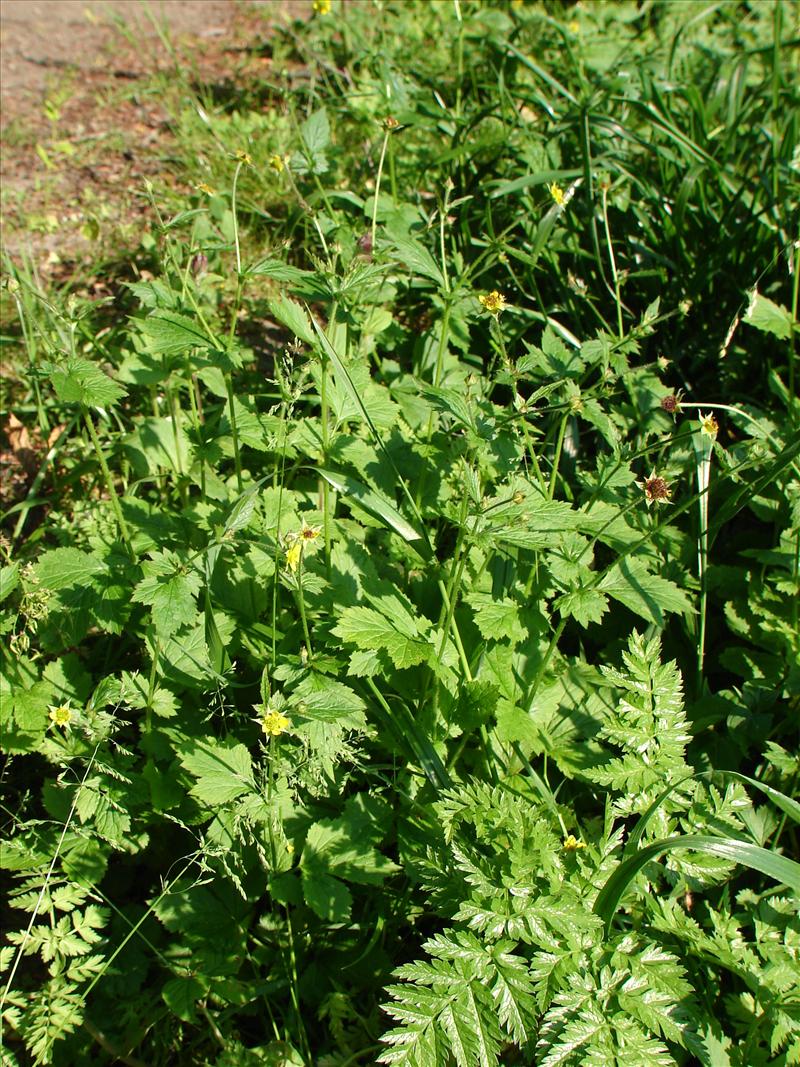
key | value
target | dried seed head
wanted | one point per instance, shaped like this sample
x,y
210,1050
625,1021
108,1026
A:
x,y
656,490
671,404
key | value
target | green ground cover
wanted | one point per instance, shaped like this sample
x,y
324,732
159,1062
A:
x,y
401,621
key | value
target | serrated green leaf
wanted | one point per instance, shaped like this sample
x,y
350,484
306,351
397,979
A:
x,y
316,135
9,580
649,595
170,589
222,769
77,381
181,994
769,317
327,897
417,259
291,315
321,699
377,504
369,630
584,605
168,333
496,618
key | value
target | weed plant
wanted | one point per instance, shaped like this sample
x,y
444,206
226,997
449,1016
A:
x,y
401,658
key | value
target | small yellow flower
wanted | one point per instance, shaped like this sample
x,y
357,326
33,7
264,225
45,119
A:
x,y
574,26
60,714
277,163
273,723
390,123
572,844
203,188
709,425
244,157
557,193
494,302
656,490
322,7
293,554
310,533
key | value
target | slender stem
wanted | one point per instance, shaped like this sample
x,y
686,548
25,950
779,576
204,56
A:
x,y
301,603
562,429
614,273
293,986
235,220
387,134
460,56
112,492
532,452
442,221
237,459
537,681
793,334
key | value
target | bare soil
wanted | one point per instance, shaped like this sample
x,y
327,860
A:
x,y
76,133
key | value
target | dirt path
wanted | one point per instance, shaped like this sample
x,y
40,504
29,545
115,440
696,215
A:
x,y
76,131
42,38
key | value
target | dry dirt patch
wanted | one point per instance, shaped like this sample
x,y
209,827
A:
x,y
78,137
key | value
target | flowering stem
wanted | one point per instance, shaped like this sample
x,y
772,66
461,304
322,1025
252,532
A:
x,y
386,135
235,220
614,273
703,447
442,220
302,606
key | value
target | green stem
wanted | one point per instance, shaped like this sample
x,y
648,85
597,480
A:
x,y
562,429
387,134
537,681
460,57
237,459
301,603
614,273
235,219
293,987
112,492
793,333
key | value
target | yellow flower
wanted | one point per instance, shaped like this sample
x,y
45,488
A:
x,y
572,844
60,714
309,533
709,425
293,554
557,193
322,7
203,188
494,302
574,26
277,163
273,723
244,157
